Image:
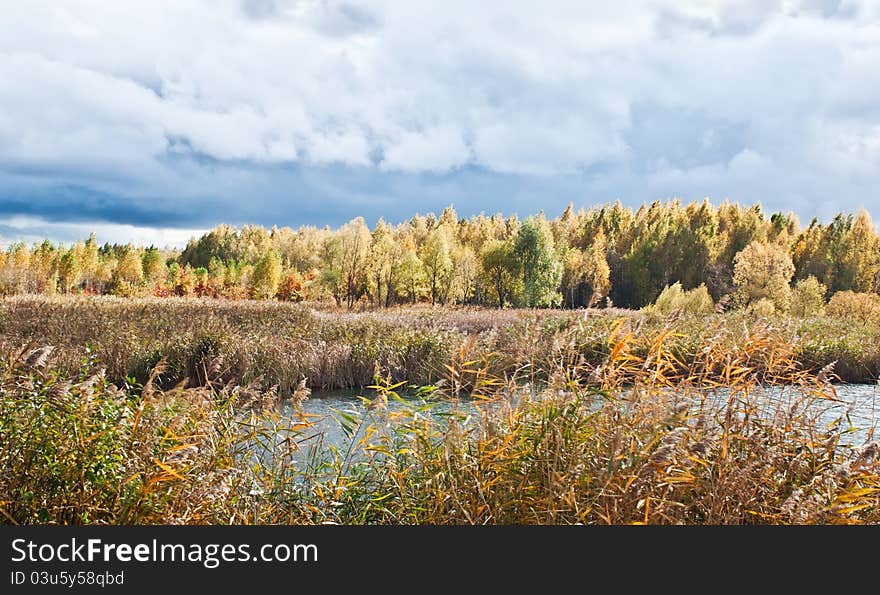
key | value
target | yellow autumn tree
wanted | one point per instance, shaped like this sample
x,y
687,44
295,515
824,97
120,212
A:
x,y
763,270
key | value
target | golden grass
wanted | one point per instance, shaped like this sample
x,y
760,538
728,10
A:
x,y
636,435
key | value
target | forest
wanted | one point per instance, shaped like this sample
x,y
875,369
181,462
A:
x,y
708,257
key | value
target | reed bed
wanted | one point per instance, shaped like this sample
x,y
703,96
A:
x,y
284,344
631,434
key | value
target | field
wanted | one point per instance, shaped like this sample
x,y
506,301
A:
x,y
176,410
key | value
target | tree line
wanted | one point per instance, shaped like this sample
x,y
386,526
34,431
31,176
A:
x,y
734,255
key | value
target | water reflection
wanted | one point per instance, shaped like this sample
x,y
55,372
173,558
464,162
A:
x,y
333,416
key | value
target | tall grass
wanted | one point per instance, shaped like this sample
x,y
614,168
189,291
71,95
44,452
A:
x,y
635,436
283,344
634,440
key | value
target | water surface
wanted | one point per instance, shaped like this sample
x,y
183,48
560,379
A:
x,y
329,410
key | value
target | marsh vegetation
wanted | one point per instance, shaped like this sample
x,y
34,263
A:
x,y
184,411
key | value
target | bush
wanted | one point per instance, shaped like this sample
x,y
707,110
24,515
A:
x,y
808,298
291,289
674,298
863,307
125,289
763,271
763,307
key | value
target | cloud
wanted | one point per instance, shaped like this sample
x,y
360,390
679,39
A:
x,y
436,149
33,229
185,114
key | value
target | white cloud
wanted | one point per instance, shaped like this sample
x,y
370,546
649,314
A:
x,y
435,149
107,94
35,229
349,147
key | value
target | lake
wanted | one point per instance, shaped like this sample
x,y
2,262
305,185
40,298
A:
x,y
330,411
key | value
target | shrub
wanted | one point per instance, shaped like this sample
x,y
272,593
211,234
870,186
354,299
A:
x,y
863,307
763,271
291,289
125,289
674,298
808,298
763,307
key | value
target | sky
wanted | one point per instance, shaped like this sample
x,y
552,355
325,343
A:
x,y
154,121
